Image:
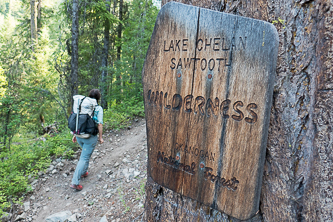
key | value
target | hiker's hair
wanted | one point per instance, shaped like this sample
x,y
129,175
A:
x,y
95,94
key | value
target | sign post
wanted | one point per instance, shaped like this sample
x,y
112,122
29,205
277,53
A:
x,y
208,83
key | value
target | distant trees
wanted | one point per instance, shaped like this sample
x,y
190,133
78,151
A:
x,y
28,87
81,45
51,50
139,21
111,47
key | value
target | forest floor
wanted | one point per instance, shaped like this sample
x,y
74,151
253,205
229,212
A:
x,y
114,188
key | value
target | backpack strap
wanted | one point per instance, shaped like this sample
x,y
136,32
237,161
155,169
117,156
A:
x,y
93,113
81,104
77,131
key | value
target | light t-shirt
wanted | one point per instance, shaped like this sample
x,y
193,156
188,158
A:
x,y
98,115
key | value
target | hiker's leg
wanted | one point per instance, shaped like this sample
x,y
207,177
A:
x,y
87,149
76,176
91,143
79,141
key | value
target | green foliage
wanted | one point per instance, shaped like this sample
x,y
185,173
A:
x,y
30,78
3,83
9,8
138,28
142,187
4,204
279,21
99,10
28,158
118,116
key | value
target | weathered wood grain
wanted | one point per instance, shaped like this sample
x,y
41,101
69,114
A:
x,y
208,82
166,120
297,183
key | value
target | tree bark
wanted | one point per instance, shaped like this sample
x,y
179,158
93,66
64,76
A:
x,y
33,18
297,181
39,9
105,57
75,49
120,28
6,127
119,34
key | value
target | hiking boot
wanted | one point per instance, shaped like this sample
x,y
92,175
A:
x,y
84,175
76,187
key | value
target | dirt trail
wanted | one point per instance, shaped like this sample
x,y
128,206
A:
x,y
114,187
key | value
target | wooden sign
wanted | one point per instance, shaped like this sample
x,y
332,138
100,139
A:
x,y
208,83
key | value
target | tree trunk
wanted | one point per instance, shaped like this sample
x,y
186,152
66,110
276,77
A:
x,y
297,181
6,128
33,17
75,49
39,16
105,57
112,47
119,32
39,9
120,28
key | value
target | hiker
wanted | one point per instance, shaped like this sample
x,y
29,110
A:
x,y
88,144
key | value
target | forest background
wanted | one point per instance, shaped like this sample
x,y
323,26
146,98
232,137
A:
x,y
51,50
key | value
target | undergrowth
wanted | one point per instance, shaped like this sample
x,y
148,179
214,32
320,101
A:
x,y
118,116
24,160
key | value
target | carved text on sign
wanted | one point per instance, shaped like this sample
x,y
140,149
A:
x,y
215,44
222,182
199,105
203,64
190,169
194,151
224,45
174,163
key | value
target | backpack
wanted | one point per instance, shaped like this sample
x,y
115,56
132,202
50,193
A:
x,y
80,121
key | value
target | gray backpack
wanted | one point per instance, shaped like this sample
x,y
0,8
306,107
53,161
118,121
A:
x,y
80,121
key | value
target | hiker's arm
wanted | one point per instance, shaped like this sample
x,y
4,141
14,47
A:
x,y
100,132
